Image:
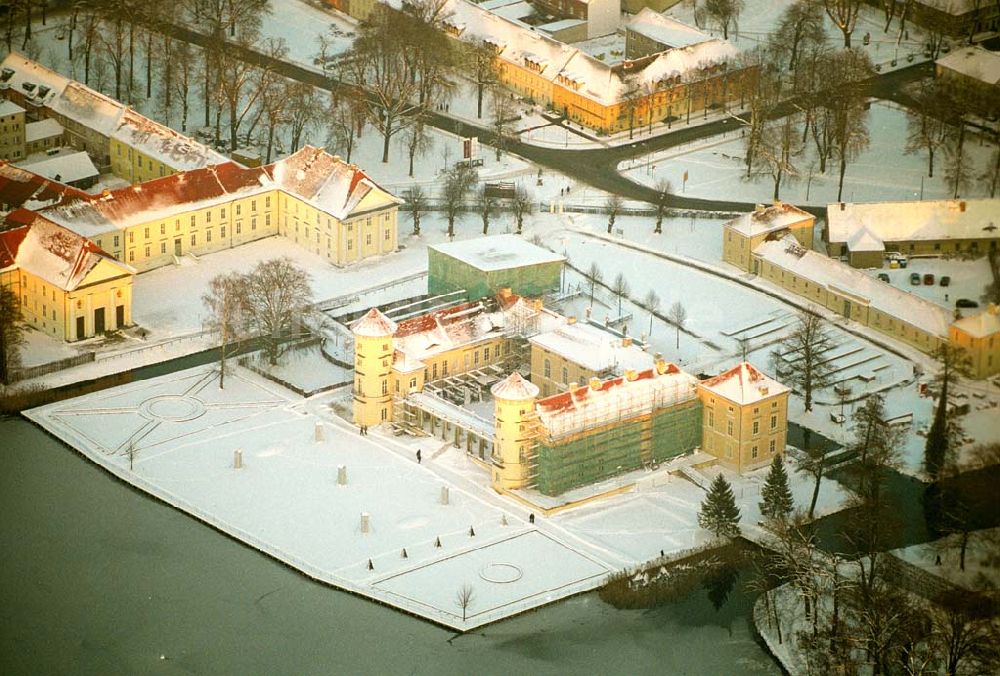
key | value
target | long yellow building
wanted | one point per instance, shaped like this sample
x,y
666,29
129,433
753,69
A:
x,y
326,206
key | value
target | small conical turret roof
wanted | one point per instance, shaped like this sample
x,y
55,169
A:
x,y
514,388
374,325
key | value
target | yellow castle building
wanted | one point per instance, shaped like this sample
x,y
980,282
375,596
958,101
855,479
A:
x,y
68,287
460,373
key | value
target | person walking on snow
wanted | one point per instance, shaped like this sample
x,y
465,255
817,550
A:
x,y
418,456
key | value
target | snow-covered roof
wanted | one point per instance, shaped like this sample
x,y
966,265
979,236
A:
x,y
163,143
614,400
765,219
666,31
108,117
497,252
518,9
974,62
916,220
324,180
863,239
982,324
436,332
331,185
47,128
57,255
841,278
374,325
68,168
743,384
20,187
23,71
518,43
592,348
514,388
10,108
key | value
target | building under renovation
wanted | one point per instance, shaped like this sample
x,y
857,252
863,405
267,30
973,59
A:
x,y
465,374
481,266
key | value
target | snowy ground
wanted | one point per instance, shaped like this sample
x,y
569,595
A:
x,y
761,17
980,572
286,500
716,170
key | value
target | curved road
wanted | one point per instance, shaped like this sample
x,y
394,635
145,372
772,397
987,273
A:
x,y
598,167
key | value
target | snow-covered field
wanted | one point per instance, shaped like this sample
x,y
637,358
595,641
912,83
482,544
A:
x,y
182,432
760,18
716,170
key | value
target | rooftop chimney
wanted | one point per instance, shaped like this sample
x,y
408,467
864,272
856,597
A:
x,y
627,341
571,320
595,384
630,374
842,206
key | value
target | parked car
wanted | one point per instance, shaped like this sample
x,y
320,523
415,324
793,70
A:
x,y
884,277
965,302
945,280
928,279
915,279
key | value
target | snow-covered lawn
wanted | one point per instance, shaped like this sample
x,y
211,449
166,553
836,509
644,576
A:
x,y
716,170
286,501
760,18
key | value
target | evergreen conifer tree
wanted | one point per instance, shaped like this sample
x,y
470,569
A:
x,y
777,497
719,513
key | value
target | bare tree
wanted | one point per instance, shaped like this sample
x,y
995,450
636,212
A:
x,y
486,203
957,166
724,13
613,205
846,102
481,59
780,146
416,205
761,99
520,204
844,15
801,358
464,597
990,178
502,117
800,28
631,96
12,328
928,121
595,277
303,111
418,141
652,303
131,452
620,288
224,303
238,83
184,64
345,119
276,296
457,184
678,317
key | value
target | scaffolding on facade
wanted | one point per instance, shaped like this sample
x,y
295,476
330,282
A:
x,y
596,434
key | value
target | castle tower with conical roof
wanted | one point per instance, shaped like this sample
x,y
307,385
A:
x,y
515,427
373,368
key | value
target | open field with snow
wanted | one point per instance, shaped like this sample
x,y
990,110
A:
x,y
716,169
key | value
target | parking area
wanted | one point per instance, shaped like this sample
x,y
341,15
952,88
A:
x,y
967,279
